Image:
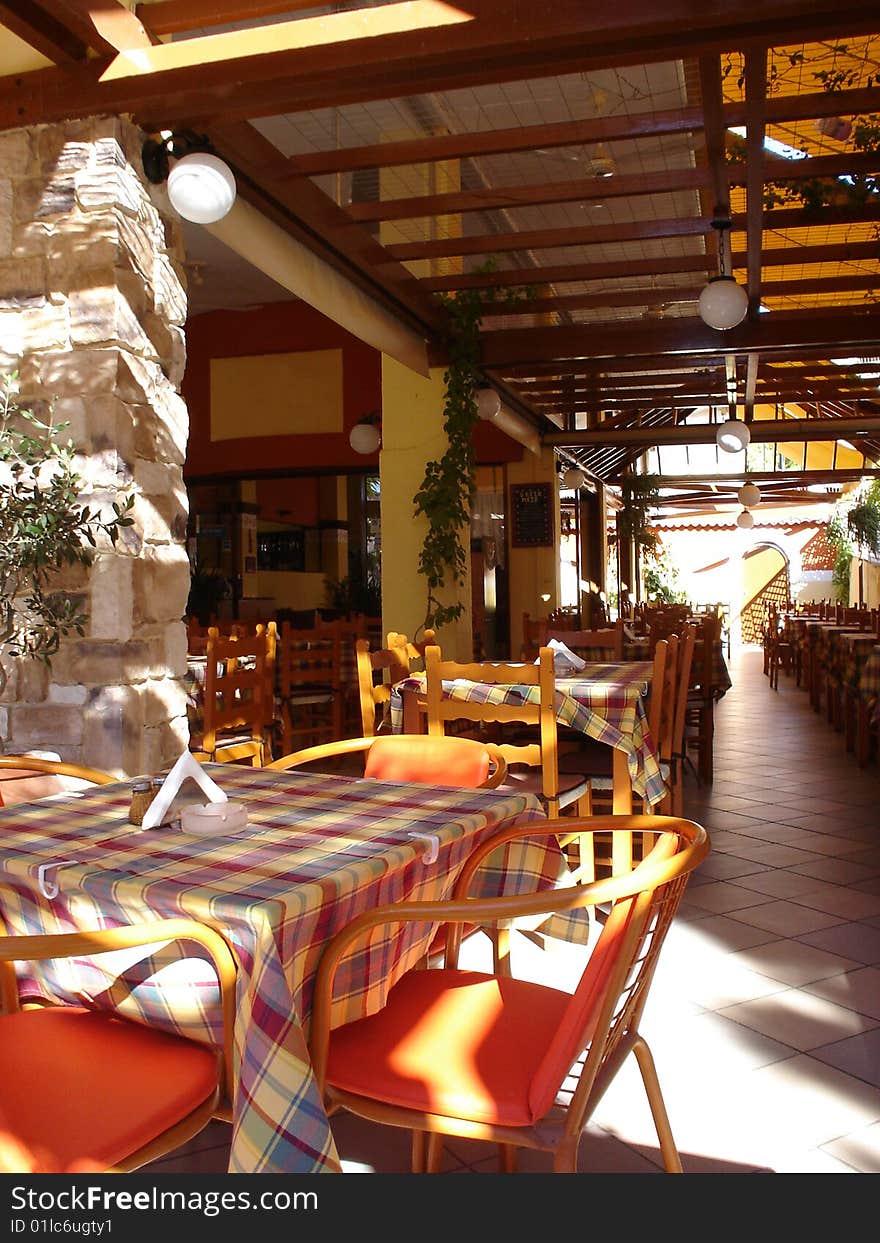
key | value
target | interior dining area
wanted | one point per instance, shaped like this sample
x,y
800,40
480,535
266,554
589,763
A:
x,y
439,589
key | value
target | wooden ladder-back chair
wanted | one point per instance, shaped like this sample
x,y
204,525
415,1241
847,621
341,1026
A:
x,y
410,651
346,631
24,778
605,645
533,766
309,687
534,636
377,673
89,1090
238,703
700,722
672,728
594,760
465,1053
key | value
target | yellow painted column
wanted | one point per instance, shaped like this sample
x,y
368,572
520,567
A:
x,y
413,433
534,577
412,436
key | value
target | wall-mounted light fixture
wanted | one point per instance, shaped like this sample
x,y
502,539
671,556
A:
x,y
488,403
365,436
573,478
201,186
723,303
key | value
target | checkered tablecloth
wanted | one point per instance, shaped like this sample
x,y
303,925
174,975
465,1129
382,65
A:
x,y
605,701
318,850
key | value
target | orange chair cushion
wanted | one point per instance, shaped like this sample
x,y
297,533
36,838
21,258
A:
x,y
447,761
85,1085
456,1043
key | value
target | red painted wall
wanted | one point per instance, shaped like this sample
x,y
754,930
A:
x,y
282,327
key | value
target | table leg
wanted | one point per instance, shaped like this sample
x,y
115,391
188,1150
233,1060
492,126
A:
x,y
621,803
412,717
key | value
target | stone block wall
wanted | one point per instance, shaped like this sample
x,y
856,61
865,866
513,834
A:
x,y
92,313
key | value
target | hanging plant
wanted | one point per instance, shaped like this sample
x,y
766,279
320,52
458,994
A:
x,y
44,527
640,494
446,493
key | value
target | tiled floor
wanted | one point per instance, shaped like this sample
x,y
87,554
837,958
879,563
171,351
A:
x,y
764,1017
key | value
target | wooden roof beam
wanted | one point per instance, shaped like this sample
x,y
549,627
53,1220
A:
x,y
828,332
764,431
843,252
756,94
498,40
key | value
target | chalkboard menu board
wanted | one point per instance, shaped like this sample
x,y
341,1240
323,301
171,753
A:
x,y
531,506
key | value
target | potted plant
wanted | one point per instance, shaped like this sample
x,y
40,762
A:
x,y
44,529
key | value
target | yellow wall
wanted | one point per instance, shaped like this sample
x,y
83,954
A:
x,y
870,583
276,394
291,589
412,436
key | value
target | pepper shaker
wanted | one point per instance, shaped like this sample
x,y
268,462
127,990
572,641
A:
x,y
142,794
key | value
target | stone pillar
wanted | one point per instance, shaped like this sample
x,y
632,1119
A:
x,y
92,309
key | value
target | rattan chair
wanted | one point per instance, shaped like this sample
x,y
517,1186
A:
x,y
464,763
88,1089
485,1056
24,778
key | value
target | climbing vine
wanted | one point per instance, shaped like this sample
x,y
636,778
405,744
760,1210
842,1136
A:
x,y
446,493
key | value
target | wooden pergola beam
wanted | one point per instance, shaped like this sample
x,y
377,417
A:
x,y
828,332
577,133
499,40
840,252
763,431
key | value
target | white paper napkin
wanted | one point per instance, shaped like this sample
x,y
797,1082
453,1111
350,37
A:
x,y
564,659
187,768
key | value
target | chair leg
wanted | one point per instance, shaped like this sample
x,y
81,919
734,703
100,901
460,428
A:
x,y
435,1153
644,1057
501,951
507,1154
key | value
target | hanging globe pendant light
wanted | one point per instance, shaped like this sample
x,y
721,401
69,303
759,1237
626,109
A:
x,y
723,303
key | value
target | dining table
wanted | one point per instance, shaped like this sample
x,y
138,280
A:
x,y
604,700
316,851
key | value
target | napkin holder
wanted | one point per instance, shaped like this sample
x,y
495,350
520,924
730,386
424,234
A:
x,y
565,661
187,768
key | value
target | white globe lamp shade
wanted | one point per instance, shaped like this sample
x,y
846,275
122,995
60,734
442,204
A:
x,y
749,495
364,438
488,403
733,436
573,478
201,187
723,303
745,520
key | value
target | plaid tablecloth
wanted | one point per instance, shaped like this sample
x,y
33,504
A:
x,y
318,850
605,701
